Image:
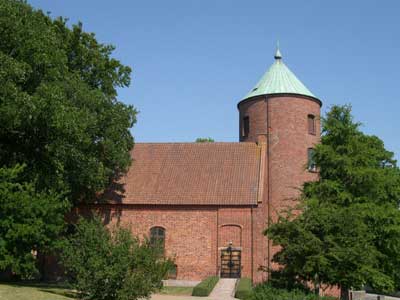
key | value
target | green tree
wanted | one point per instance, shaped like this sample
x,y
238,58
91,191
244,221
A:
x,y
29,221
348,233
59,112
104,264
205,140
59,117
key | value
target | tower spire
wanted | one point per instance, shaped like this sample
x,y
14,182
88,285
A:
x,y
279,80
278,54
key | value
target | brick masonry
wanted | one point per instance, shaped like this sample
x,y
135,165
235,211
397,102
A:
x,y
195,234
282,122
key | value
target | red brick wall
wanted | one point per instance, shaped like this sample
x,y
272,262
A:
x,y
234,225
256,111
230,234
289,143
285,119
194,234
190,235
260,242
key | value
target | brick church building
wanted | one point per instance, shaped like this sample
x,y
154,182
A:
x,y
209,203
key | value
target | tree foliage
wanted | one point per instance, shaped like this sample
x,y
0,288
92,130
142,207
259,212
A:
x,y
104,264
205,140
29,221
265,291
60,118
59,112
348,233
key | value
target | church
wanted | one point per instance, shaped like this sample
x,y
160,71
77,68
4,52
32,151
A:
x,y
208,204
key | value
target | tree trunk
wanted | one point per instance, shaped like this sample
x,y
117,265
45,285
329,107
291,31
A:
x,y
344,293
316,285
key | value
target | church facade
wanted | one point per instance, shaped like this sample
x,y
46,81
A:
x,y
208,204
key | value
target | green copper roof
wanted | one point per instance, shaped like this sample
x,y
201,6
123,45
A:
x,y
279,80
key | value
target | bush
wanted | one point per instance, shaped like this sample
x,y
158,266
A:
x,y
244,288
112,265
30,222
204,288
266,292
284,280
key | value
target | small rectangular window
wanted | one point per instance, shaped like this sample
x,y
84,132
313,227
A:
x,y
246,126
311,124
173,272
312,166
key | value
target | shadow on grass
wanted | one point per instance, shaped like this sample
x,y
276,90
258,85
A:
x,y
61,289
64,293
44,285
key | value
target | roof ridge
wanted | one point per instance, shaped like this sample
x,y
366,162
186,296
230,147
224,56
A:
x,y
193,143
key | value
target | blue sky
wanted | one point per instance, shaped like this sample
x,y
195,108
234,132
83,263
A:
x,y
194,60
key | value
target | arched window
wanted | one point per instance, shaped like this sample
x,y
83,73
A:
x,y
157,237
311,124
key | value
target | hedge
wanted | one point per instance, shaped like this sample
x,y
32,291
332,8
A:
x,y
266,292
243,289
204,288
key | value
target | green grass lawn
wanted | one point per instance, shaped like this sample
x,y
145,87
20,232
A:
x,y
18,291
176,290
38,291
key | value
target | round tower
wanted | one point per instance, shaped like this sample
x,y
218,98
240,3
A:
x,y
282,113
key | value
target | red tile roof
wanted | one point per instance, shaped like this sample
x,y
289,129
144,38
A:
x,y
190,174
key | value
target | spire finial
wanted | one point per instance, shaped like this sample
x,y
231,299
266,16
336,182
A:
x,y
278,54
